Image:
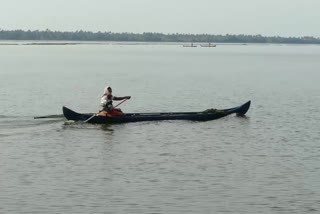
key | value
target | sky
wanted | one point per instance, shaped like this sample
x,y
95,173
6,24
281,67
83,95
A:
x,y
268,18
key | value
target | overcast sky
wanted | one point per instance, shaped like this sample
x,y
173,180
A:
x,y
266,17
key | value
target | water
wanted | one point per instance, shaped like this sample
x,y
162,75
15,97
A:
x,y
267,162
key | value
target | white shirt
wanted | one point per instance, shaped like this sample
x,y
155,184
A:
x,y
107,98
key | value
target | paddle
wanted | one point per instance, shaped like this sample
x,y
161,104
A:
x,y
120,103
111,109
90,118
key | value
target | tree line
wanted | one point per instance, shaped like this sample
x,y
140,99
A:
x,y
150,37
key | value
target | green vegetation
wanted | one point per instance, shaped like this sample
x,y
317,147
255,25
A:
x,y
149,37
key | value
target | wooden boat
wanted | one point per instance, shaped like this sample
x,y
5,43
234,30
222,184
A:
x,y
208,46
210,114
190,46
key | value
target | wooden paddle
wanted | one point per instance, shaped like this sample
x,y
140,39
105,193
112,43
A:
x,y
120,103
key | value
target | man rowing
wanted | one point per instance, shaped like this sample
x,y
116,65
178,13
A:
x,y
106,103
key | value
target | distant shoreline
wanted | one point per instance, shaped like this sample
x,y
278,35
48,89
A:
x,y
127,43
66,38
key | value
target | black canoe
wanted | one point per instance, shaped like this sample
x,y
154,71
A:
x,y
136,117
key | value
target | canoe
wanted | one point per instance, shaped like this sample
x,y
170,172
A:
x,y
208,46
190,46
211,114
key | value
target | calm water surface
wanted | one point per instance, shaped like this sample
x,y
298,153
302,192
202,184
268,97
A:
x,y
267,162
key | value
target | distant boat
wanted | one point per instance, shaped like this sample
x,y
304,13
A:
x,y
190,46
209,45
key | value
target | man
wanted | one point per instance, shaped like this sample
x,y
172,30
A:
x,y
106,103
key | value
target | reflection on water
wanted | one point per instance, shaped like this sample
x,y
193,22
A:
x,y
264,162
107,128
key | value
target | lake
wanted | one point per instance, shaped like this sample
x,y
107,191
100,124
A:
x,y
266,162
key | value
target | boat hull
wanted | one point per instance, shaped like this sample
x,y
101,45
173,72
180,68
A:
x,y
138,117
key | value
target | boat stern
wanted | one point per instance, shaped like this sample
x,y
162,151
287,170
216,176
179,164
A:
x,y
243,109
